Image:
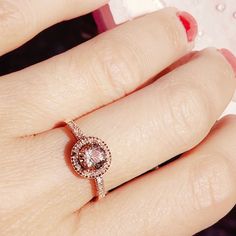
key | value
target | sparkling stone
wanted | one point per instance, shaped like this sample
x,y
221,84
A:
x,y
92,156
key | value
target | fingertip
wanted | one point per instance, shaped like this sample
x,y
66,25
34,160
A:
x,y
230,57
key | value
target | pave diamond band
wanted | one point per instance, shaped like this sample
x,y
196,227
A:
x,y
90,158
100,187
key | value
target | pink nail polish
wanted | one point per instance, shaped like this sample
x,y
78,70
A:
x,y
229,56
190,25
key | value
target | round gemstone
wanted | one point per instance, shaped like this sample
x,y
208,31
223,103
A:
x,y
92,156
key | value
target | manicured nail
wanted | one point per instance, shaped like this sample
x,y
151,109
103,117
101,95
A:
x,y
229,56
190,25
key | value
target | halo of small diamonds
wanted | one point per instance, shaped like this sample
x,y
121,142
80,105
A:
x,y
82,158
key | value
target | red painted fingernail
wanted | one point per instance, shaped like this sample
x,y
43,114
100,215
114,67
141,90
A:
x,y
229,56
190,25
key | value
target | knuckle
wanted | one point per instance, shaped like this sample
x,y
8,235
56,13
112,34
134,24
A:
x,y
189,111
117,65
211,181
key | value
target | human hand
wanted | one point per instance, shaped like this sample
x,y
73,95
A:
x,y
97,83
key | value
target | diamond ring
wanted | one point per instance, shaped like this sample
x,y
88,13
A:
x,y
90,158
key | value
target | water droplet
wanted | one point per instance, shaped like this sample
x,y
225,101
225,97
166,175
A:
x,y
200,33
220,7
234,15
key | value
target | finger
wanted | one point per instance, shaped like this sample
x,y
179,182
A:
x,y
21,20
183,198
96,73
142,131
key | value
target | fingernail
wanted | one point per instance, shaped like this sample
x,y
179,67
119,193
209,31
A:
x,y
229,56
190,25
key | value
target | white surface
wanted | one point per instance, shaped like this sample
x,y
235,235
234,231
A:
x,y
123,10
216,19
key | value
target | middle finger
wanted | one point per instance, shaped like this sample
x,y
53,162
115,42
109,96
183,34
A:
x,y
91,75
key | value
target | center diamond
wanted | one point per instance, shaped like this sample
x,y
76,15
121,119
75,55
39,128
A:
x,y
92,156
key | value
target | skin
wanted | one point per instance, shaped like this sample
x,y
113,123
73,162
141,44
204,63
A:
x,y
107,86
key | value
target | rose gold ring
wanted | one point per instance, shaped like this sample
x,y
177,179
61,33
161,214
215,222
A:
x,y
90,158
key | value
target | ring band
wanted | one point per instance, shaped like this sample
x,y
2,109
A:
x,y
90,158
